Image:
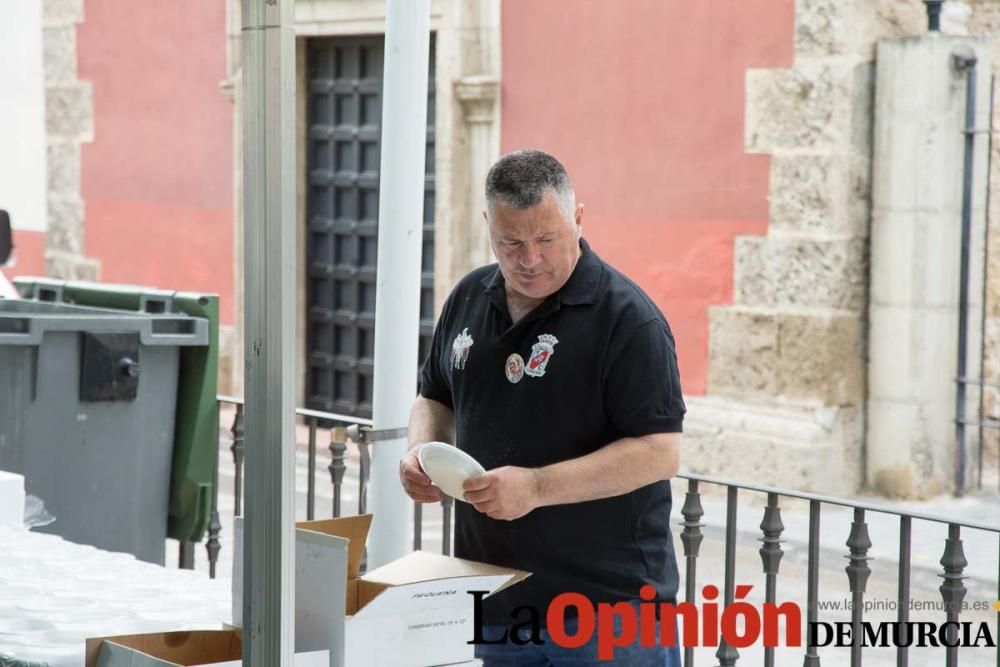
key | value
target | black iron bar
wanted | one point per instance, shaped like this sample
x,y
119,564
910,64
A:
x,y
978,382
983,295
966,63
934,14
728,655
213,546
812,599
903,597
311,481
185,556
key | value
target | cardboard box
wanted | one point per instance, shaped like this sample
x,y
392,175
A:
x,y
11,498
219,648
412,612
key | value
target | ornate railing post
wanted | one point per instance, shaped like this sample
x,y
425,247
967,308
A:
x,y
691,538
858,572
770,557
212,546
952,589
238,450
337,467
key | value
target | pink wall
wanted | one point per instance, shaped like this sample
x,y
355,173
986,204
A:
x,y
643,102
29,254
157,180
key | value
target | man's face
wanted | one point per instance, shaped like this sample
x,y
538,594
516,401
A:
x,y
536,247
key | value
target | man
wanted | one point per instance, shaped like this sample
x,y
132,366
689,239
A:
x,y
559,375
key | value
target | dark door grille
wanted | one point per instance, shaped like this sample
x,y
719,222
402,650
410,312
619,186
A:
x,y
344,120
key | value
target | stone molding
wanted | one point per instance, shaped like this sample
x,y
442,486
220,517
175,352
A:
x,y
478,95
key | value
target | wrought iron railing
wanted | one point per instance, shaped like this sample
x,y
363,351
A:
x,y
345,432
858,544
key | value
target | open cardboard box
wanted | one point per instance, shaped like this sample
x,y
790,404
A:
x,y
219,648
412,612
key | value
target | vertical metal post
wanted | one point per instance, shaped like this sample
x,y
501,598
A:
x,y
728,655
269,267
952,589
418,526
311,483
903,610
983,295
967,63
770,556
812,596
400,234
185,556
858,571
934,14
691,538
447,507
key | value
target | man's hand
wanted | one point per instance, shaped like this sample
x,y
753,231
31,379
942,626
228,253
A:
x,y
505,493
416,484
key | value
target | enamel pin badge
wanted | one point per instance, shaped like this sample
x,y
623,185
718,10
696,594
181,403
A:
x,y
460,349
541,353
514,368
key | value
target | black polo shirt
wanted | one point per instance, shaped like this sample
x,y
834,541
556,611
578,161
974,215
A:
x,y
598,364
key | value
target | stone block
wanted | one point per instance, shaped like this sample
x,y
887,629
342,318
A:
x,y
767,443
63,166
62,12
802,272
69,111
821,28
797,108
808,193
742,352
820,359
65,232
59,53
68,266
756,354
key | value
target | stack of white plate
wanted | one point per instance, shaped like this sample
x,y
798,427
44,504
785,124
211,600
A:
x,y
55,594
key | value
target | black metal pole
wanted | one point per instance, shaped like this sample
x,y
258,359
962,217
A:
x,y
934,14
966,63
983,294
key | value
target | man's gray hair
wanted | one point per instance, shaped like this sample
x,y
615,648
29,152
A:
x,y
521,179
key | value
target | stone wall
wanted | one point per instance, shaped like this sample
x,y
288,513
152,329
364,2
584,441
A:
x,y
787,359
69,119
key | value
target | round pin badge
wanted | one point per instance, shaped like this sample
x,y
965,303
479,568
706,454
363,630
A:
x,y
514,368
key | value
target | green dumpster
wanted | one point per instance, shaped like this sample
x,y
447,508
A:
x,y
194,441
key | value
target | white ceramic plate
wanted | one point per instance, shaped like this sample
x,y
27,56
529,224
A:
x,y
448,467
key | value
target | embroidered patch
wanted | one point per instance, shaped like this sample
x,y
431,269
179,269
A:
x,y
514,368
541,353
460,349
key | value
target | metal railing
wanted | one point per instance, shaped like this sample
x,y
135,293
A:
x,y
858,544
345,431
